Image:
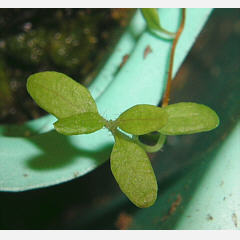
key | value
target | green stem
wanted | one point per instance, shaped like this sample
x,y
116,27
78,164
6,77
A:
x,y
112,127
170,34
175,41
151,149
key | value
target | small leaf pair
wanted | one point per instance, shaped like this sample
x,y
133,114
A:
x,y
175,119
77,113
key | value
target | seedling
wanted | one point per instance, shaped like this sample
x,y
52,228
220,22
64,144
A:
x,y
77,113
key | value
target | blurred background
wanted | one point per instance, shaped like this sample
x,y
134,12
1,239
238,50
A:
x,y
74,41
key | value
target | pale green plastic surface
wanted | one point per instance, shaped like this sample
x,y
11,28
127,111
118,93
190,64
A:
x,y
216,202
48,158
209,193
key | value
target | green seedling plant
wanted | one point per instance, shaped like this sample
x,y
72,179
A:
x,y
77,113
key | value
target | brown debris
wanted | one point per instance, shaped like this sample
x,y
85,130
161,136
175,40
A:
x,y
124,60
235,219
173,208
147,51
175,204
124,221
209,217
76,174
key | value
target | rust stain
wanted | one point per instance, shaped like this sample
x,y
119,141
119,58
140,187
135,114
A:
x,y
175,204
124,60
147,51
173,208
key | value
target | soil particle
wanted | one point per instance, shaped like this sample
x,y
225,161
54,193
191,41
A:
x,y
235,219
76,174
209,217
124,221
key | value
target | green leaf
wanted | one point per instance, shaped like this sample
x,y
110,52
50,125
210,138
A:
x,y
80,124
151,17
188,118
60,95
132,170
142,119
153,22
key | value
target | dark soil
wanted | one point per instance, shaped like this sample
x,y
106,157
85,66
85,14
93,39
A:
x,y
73,41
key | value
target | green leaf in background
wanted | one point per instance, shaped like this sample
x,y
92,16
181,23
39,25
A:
x,y
60,95
142,119
82,123
151,17
132,170
153,22
188,118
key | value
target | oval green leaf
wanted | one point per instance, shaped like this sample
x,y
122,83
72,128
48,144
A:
x,y
60,95
142,119
82,123
132,170
189,118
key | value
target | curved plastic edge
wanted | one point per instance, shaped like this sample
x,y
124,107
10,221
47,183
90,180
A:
x,y
215,203
48,159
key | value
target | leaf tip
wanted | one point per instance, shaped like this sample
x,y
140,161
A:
x,y
148,201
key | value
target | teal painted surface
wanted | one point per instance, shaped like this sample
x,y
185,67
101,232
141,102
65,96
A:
x,y
215,203
206,198
198,174
48,158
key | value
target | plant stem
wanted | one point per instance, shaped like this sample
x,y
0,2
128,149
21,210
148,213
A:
x,y
151,149
171,34
178,34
